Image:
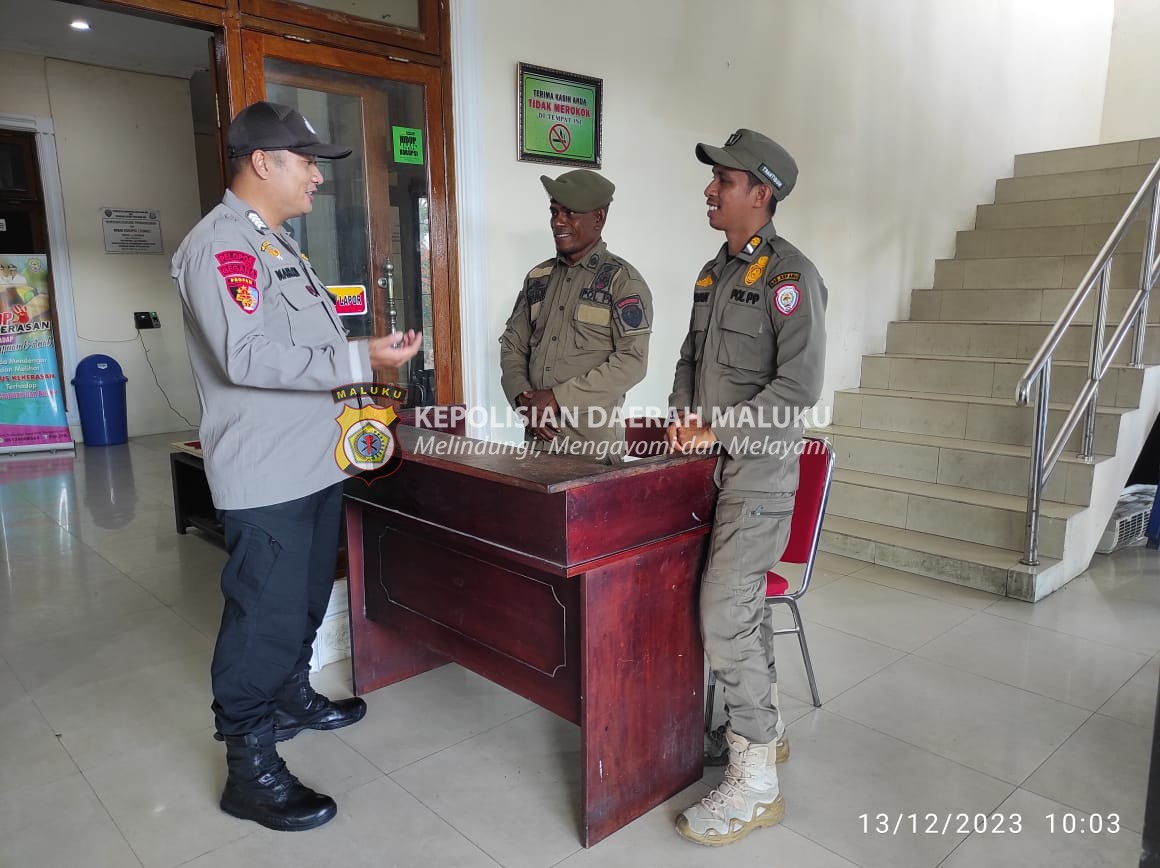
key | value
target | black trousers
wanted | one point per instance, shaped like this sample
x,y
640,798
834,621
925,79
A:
x,y
276,584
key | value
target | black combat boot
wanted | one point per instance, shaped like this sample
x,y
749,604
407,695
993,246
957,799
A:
x,y
260,788
298,707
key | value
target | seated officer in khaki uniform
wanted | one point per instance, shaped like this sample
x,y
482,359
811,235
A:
x,y
754,355
577,339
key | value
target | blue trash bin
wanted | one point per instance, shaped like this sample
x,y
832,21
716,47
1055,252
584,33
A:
x,y
100,388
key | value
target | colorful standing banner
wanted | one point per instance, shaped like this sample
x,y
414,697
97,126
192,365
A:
x,y
32,412
560,117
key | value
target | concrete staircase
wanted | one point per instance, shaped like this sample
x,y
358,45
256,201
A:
x,y
932,452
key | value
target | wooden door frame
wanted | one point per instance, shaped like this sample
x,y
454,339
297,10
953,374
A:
x,y
257,46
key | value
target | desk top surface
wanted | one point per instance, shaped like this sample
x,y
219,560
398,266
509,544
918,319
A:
x,y
509,464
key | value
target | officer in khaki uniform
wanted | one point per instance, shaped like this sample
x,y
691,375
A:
x,y
577,339
754,354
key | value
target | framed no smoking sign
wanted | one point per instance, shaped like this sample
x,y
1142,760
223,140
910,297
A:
x,y
559,117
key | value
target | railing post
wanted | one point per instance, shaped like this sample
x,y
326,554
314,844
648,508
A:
x,y
1141,324
1095,362
1035,478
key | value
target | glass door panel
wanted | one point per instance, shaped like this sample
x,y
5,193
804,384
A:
x,y
370,232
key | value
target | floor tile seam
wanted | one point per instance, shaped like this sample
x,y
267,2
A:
x,y
390,773
933,753
447,822
1028,690
1149,654
914,593
112,819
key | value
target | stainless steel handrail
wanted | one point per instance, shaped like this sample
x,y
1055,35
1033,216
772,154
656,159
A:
x,y
1100,355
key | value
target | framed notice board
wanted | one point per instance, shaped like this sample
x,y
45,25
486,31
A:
x,y
560,117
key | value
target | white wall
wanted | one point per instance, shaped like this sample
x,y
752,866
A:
x,y
124,139
1133,92
900,113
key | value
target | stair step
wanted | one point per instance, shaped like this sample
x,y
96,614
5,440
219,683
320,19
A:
x,y
946,510
998,467
964,417
986,568
994,378
1086,240
1065,185
1016,305
1106,156
999,339
1031,272
1054,212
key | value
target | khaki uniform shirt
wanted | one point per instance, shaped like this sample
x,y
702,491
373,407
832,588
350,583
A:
x,y
266,347
755,352
582,331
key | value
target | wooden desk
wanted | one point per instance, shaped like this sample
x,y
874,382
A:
x,y
569,583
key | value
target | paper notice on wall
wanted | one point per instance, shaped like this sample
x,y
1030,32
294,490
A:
x,y
131,230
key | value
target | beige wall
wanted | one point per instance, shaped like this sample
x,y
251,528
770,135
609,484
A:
x,y
901,115
125,140
23,90
1133,92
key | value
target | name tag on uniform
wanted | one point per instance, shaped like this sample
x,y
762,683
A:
x,y
591,313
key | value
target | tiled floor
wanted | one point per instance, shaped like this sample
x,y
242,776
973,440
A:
x,y
939,701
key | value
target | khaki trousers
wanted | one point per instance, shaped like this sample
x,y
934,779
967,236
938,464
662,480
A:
x,y
750,532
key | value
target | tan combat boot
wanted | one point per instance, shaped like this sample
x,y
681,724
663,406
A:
x,y
747,799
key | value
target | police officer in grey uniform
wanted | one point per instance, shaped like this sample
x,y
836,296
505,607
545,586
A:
x,y
578,336
754,354
266,348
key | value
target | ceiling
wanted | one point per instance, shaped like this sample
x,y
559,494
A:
x,y
116,39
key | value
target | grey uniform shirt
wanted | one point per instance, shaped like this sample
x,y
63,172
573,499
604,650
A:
x,y
266,348
582,331
756,347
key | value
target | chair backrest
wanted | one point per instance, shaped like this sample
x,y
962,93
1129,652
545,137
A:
x,y
815,473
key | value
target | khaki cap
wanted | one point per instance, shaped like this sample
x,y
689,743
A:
x,y
759,155
580,190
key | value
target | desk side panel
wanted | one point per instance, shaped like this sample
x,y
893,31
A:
x,y
511,624
642,683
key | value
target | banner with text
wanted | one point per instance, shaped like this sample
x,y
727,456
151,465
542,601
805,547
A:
x,y
32,414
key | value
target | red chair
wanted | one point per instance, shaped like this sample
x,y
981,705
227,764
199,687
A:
x,y
805,531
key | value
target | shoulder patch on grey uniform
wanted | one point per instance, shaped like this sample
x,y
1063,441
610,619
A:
x,y
751,245
541,270
593,259
630,312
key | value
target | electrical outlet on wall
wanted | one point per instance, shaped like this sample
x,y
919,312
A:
x,y
146,319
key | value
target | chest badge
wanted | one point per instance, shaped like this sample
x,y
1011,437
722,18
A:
x,y
756,270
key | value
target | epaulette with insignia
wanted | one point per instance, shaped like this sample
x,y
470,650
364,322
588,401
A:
x,y
752,244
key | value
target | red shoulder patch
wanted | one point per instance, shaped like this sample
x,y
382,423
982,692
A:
x,y
241,278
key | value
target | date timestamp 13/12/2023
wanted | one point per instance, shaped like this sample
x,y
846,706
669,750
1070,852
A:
x,y
997,823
